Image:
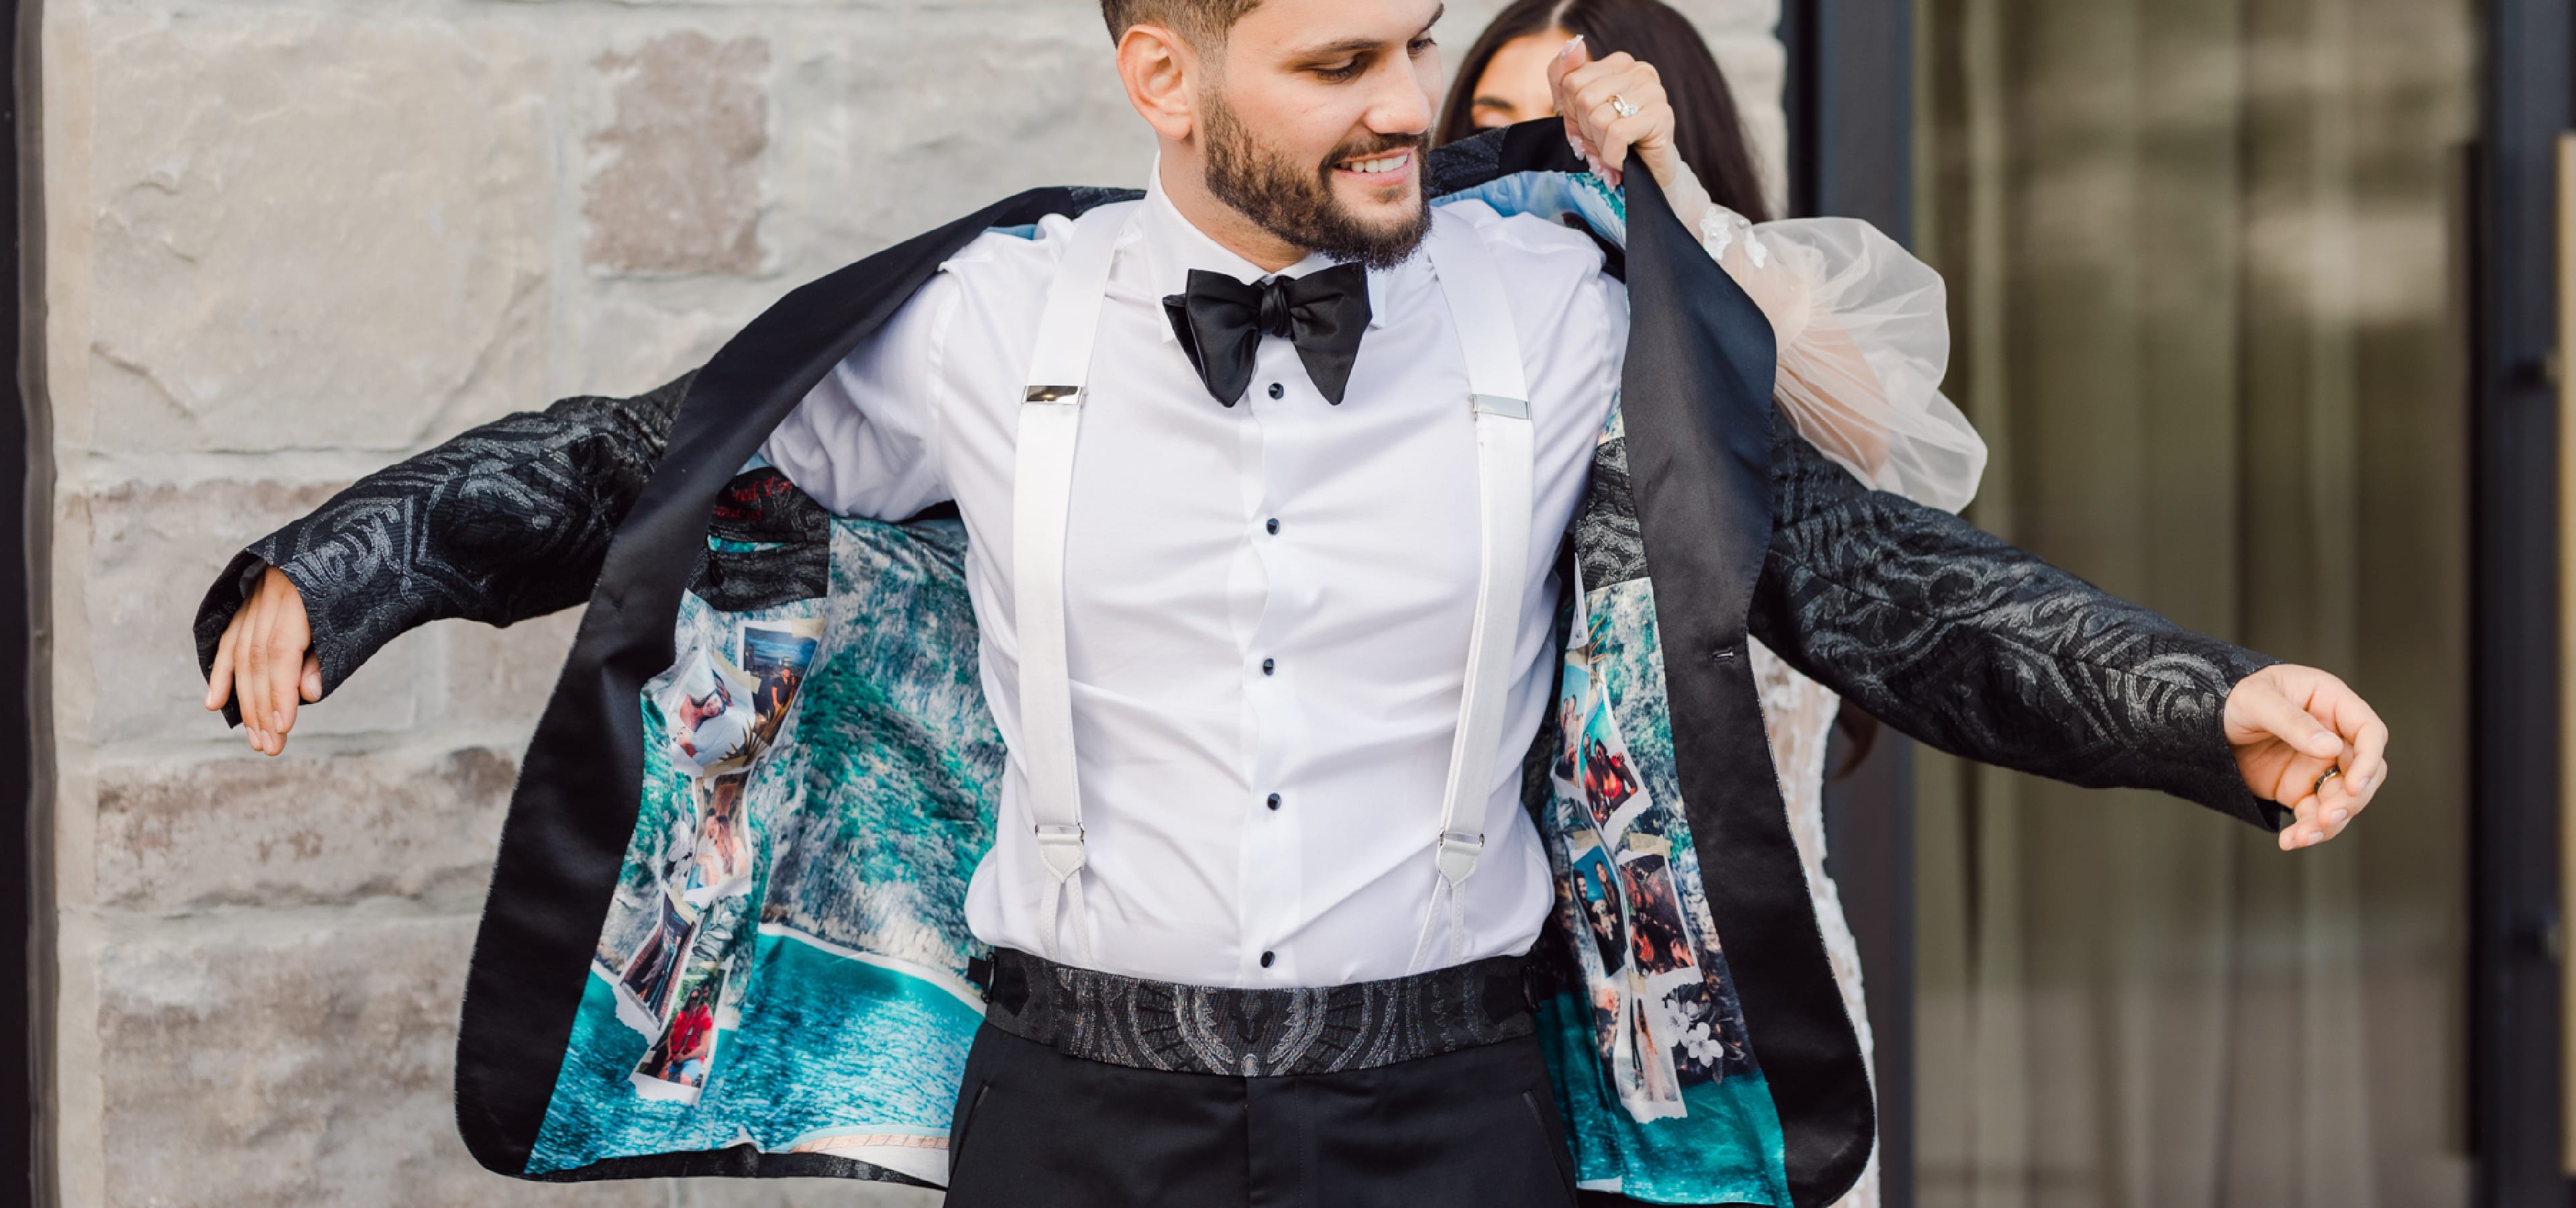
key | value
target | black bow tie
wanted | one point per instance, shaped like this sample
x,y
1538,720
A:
x,y
1221,321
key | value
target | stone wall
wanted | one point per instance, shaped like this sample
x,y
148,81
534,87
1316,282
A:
x,y
288,241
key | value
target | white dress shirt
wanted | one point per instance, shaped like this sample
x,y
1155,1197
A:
x,y
1268,599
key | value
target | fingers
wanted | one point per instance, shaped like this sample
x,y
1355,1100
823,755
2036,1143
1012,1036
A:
x,y
290,655
2324,807
1569,58
258,702
2299,833
1572,55
219,678
1620,134
2320,803
2364,760
245,670
264,663
1595,92
2358,725
2257,707
285,670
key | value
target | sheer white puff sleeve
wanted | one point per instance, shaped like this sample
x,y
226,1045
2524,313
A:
x,y
1864,342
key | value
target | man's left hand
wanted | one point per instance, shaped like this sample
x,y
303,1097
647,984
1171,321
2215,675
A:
x,y
2290,726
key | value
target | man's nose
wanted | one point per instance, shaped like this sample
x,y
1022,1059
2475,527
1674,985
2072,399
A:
x,y
1399,106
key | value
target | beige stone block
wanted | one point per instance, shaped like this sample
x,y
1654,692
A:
x,y
314,231
503,675
154,550
888,129
677,186
296,830
295,1058
633,334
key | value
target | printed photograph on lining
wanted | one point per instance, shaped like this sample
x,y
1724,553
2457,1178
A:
x,y
720,863
1608,783
1597,892
777,656
1659,941
709,704
676,1066
844,1014
644,985
1662,1023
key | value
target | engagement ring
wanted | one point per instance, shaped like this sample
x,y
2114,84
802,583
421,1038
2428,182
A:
x,y
1620,103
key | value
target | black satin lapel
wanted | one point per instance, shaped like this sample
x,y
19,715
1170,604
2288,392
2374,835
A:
x,y
1696,397
574,810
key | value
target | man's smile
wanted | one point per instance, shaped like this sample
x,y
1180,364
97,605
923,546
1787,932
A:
x,y
1384,168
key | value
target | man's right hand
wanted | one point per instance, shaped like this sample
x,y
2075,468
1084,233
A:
x,y
266,659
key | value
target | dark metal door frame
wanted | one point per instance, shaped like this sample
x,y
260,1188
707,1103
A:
x,y
1851,153
26,821
26,483
2516,932
26,950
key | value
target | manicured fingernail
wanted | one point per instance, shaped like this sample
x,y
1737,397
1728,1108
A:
x,y
2337,815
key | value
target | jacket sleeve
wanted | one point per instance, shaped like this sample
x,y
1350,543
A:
x,y
1982,650
508,521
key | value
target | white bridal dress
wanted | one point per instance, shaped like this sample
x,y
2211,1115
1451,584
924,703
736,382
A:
x,y
1864,342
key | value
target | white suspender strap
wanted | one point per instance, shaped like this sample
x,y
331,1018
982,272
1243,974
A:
x,y
1499,395
1041,494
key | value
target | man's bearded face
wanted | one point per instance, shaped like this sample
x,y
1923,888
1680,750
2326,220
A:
x,y
1303,201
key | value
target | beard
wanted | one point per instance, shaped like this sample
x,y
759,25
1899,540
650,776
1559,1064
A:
x,y
1297,204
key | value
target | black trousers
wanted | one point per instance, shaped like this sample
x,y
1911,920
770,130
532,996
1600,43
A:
x,y
1476,1128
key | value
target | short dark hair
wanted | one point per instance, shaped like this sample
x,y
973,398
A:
x,y
1707,130
1203,22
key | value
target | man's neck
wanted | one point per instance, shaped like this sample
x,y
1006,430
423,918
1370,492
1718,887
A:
x,y
1186,186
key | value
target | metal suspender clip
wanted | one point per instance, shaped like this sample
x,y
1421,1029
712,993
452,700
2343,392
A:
x,y
1458,853
1061,848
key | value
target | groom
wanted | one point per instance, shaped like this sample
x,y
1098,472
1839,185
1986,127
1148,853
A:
x,y
1277,486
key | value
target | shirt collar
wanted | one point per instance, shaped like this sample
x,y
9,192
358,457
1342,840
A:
x,y
1174,245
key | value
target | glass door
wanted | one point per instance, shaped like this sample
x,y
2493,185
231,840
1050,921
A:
x,y
2209,290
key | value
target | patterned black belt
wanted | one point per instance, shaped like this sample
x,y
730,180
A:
x,y
1257,1033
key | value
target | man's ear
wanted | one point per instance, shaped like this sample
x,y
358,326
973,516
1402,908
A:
x,y
1158,69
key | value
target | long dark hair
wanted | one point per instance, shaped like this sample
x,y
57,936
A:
x,y
1707,127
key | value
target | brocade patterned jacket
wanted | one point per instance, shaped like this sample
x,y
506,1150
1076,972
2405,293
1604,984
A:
x,y
726,931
